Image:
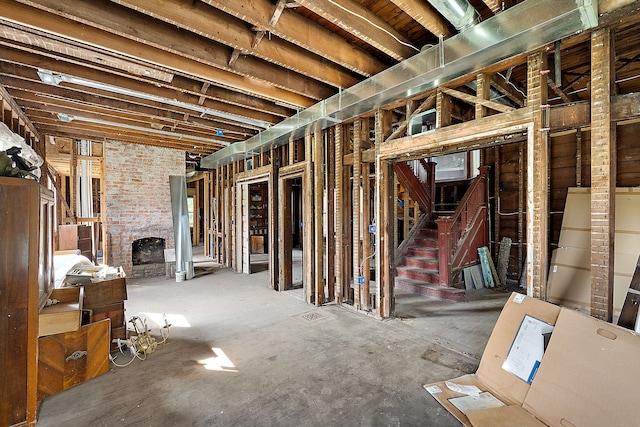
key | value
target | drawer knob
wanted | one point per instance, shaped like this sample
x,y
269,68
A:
x,y
75,355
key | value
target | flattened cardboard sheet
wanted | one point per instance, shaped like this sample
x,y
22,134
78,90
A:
x,y
506,416
490,376
589,375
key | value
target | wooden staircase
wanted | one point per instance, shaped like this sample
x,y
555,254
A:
x,y
417,271
430,259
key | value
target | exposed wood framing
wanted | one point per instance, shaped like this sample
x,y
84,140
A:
x,y
537,181
360,130
331,213
603,175
475,100
274,210
340,279
386,210
483,91
308,219
318,214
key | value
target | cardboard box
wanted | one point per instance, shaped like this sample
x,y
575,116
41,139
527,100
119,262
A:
x,y
585,377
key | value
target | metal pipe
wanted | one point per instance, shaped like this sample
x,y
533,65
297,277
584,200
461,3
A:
x,y
459,12
521,28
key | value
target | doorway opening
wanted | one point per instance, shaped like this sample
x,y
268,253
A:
x,y
258,227
292,233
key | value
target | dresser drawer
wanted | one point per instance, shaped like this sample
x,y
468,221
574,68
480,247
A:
x,y
63,316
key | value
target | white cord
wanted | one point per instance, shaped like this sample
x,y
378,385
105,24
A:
x,y
374,24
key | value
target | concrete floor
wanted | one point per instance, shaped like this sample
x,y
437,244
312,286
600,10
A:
x,y
240,354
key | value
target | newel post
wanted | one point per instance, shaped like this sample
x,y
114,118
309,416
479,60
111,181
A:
x,y
444,249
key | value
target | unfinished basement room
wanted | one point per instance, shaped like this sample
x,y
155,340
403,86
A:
x,y
319,213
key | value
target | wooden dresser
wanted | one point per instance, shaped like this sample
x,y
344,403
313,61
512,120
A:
x,y
26,264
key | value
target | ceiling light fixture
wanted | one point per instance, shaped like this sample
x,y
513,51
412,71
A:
x,y
55,78
67,118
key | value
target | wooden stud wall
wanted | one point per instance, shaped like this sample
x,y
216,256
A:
x,y
531,174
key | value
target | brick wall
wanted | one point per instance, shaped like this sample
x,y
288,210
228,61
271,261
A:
x,y
137,196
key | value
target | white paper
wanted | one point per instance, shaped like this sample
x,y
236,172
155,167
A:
x,y
469,390
519,298
434,389
527,349
484,400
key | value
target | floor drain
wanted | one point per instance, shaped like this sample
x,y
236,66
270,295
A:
x,y
312,316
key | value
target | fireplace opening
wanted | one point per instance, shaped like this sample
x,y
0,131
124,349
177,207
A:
x,y
149,250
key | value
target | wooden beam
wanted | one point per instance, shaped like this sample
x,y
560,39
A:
x,y
426,16
603,175
40,58
209,22
508,89
298,30
126,41
474,100
537,181
494,5
363,24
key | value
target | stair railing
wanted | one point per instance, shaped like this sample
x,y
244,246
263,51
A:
x,y
461,234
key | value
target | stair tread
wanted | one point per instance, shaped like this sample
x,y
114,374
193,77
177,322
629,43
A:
x,y
420,258
418,269
429,285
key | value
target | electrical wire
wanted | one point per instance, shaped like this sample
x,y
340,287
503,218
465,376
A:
x,y
374,24
143,343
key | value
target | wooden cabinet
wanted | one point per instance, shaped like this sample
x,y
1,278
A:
x,y
105,300
75,236
26,278
70,358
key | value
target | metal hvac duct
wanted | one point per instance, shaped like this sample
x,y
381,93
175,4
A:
x,y
459,12
522,28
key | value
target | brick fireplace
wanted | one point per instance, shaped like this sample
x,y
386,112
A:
x,y
138,200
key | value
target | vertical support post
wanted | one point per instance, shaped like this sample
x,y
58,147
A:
x,y
284,230
318,194
331,215
308,221
521,202
385,298
273,214
358,132
385,203
443,110
73,185
483,91
538,176
603,175
496,192
366,237
236,249
207,214
578,158
339,222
